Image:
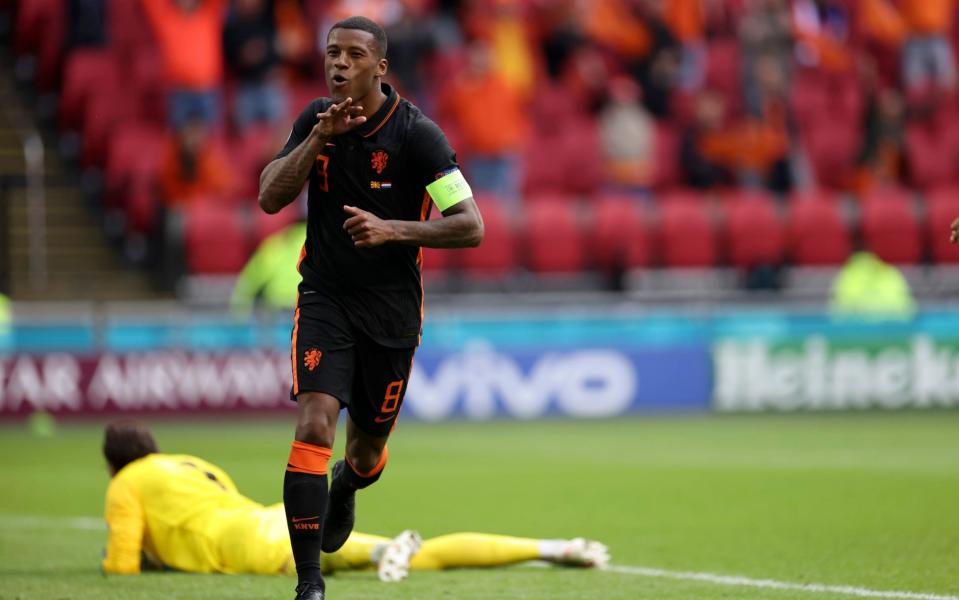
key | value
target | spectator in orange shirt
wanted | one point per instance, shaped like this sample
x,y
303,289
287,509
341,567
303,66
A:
x,y
253,54
188,33
490,117
927,55
192,167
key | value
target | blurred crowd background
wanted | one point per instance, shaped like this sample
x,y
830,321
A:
x,y
601,137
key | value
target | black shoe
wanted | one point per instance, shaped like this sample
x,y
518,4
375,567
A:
x,y
340,511
309,591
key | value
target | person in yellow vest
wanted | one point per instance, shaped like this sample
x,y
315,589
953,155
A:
x,y
6,314
270,277
180,512
867,287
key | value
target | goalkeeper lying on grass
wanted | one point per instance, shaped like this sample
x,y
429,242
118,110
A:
x,y
180,512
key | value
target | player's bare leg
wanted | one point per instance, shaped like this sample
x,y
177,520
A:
x,y
305,487
366,456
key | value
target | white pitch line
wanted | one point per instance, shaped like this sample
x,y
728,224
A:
x,y
737,580
10,521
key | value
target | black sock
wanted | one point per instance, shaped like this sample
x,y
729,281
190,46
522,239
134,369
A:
x,y
304,498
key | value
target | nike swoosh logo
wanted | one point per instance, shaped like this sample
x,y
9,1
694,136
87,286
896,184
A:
x,y
384,419
296,520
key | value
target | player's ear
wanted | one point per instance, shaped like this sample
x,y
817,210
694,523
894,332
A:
x,y
382,67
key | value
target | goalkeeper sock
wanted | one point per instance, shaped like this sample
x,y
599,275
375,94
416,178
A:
x,y
304,497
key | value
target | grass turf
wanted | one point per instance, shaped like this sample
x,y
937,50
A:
x,y
863,500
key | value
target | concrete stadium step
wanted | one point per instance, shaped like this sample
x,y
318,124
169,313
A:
x,y
81,262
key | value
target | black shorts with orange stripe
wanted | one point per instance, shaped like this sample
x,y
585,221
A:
x,y
332,356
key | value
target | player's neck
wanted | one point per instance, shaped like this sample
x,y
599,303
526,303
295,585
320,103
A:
x,y
372,101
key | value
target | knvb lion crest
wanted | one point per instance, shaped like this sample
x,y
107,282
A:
x,y
378,159
311,359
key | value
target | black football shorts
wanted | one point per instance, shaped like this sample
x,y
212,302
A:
x,y
331,356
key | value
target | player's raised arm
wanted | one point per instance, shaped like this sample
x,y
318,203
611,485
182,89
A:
x,y
282,179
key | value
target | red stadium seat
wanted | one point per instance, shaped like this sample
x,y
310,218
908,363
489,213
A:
x,y
890,228
436,261
249,154
618,237
817,233
128,26
687,233
140,203
580,156
134,149
809,97
931,156
723,68
84,71
554,240
666,169
543,170
832,145
756,235
214,239
107,110
496,256
942,208
35,18
265,225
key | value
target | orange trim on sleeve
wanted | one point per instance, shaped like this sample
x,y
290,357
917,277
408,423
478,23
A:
x,y
386,118
384,456
307,458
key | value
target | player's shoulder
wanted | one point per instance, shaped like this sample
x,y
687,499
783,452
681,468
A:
x,y
419,127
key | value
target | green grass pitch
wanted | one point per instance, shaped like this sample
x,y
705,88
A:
x,y
865,500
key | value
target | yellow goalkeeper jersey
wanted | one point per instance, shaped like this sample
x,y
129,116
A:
x,y
188,515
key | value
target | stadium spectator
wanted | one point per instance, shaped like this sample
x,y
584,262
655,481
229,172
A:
x,y
869,288
411,44
927,56
699,169
192,166
765,32
687,22
881,157
180,512
252,52
189,36
822,32
270,276
628,134
490,117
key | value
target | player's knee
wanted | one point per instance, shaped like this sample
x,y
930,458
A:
x,y
317,420
318,431
365,458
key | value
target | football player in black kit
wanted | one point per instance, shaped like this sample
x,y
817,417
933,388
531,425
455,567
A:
x,y
374,164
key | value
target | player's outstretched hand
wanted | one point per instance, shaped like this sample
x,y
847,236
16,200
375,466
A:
x,y
366,229
954,232
339,118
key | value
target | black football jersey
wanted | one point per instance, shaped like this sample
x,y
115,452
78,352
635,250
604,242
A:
x,y
383,167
